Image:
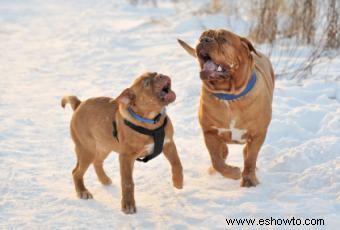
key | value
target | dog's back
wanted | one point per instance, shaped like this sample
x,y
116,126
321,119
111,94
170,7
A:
x,y
264,66
91,123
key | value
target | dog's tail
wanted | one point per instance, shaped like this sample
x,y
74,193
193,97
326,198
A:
x,y
73,100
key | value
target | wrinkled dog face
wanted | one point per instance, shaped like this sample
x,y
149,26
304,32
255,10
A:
x,y
225,60
153,89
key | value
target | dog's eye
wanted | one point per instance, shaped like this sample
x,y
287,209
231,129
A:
x,y
147,82
206,39
223,40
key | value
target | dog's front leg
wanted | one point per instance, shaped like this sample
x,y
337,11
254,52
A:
x,y
218,152
126,167
250,153
170,153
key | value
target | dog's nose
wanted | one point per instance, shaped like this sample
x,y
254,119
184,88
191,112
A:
x,y
206,39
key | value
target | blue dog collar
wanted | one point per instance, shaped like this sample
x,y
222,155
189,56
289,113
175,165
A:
x,y
230,97
146,120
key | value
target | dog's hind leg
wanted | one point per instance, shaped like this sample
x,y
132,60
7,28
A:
x,y
102,177
84,159
218,153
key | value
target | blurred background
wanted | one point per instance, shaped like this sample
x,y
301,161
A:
x,y
307,31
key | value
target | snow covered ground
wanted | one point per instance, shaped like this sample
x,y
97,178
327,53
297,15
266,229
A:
x,y
94,48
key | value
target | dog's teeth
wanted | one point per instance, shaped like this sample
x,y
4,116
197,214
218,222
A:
x,y
219,68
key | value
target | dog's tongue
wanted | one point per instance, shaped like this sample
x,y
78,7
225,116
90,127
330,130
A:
x,y
209,66
170,97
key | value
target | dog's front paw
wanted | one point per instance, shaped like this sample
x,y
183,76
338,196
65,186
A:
x,y
249,181
177,181
128,206
231,172
85,195
106,181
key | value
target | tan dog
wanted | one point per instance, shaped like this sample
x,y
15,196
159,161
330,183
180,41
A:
x,y
101,125
236,99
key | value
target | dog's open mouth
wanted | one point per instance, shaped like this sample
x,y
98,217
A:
x,y
212,71
166,93
166,88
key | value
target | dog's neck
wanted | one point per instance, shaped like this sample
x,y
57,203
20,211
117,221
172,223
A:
x,y
149,117
231,97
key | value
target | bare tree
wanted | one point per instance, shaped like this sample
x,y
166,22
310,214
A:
x,y
266,28
308,17
294,25
301,21
333,28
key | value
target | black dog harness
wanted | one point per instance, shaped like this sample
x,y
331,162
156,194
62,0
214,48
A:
x,y
158,134
158,138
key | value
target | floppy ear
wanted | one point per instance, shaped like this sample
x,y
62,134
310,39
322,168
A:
x,y
127,97
250,46
188,48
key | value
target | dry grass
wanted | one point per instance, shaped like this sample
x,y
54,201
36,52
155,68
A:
x,y
310,28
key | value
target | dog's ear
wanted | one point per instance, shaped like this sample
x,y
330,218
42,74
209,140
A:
x,y
127,97
250,46
188,48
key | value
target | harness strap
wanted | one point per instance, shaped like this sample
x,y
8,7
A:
x,y
158,137
115,131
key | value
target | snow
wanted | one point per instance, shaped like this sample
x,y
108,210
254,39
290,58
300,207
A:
x,y
95,48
